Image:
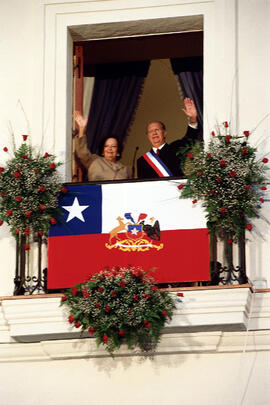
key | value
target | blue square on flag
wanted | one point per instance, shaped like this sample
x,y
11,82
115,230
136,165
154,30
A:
x,y
82,212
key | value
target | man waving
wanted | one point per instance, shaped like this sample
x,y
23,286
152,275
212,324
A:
x,y
161,160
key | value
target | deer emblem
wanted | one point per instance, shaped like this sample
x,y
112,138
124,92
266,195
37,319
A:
x,y
121,227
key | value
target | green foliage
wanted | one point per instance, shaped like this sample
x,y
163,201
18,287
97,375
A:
x,y
29,187
230,182
120,305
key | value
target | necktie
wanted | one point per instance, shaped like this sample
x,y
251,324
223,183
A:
x,y
157,151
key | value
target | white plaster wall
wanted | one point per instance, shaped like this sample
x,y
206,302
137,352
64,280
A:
x,y
35,49
253,62
30,61
207,379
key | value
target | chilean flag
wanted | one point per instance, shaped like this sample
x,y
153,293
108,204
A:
x,y
119,224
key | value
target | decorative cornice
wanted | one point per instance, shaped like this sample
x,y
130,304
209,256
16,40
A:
x,y
210,320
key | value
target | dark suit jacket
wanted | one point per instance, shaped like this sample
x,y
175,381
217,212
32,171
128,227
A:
x,y
168,155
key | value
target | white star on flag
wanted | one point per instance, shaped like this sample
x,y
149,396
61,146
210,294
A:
x,y
134,231
75,210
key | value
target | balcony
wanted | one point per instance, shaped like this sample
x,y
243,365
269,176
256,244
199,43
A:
x,y
209,319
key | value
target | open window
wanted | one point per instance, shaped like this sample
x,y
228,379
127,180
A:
x,y
161,91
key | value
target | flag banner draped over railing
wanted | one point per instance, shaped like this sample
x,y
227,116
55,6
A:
x,y
119,224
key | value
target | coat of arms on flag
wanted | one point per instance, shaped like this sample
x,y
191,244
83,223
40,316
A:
x,y
131,236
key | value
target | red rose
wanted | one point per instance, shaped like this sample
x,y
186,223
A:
x,y
47,155
121,332
52,166
8,213
18,198
17,231
24,156
209,155
26,247
122,284
107,309
180,294
190,155
28,214
105,338
219,179
213,133
71,318
194,201
229,241
263,188
223,209
5,149
265,160
100,289
1,222
198,174
113,294
146,296
212,192
154,288
135,298
17,174
244,151
74,290
249,227
226,124
36,171
19,168
91,331
232,173
64,190
147,324
2,169
228,138
42,207
77,324
222,163
25,137
3,194
98,305
180,186
246,133
262,200
40,233
53,221
42,189
27,231
86,295
164,313
247,187
64,298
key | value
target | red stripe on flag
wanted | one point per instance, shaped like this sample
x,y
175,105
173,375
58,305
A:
x,y
153,166
184,257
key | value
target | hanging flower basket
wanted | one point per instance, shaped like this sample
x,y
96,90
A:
x,y
230,181
120,305
29,188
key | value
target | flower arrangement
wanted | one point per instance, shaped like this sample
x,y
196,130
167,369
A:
x,y
29,187
120,305
229,180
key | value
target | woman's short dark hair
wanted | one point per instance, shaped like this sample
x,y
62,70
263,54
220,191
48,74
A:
x,y
119,146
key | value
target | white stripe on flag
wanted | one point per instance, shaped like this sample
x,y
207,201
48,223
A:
x,y
158,199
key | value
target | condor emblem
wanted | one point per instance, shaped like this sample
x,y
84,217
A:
x,y
131,236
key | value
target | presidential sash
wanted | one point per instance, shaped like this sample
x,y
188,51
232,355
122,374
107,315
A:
x,y
156,163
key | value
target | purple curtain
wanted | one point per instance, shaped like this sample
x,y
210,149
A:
x,y
190,75
115,96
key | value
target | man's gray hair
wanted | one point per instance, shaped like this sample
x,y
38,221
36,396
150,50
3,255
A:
x,y
163,126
